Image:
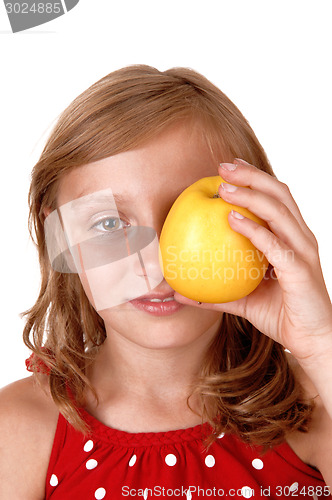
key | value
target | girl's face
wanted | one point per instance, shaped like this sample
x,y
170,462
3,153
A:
x,y
145,182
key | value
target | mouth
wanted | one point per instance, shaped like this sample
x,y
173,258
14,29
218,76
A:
x,y
157,304
154,297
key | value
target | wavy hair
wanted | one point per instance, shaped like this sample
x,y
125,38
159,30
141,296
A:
x,y
246,384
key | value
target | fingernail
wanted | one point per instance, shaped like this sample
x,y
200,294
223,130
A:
x,y
237,215
239,160
228,187
228,166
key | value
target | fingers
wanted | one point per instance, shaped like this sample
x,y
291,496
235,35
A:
x,y
272,202
247,175
237,307
278,253
276,214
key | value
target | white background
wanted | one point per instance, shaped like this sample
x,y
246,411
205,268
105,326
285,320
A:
x,y
273,59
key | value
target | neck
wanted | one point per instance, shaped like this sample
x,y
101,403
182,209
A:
x,y
123,367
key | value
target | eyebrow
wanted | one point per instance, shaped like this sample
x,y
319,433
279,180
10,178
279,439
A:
x,y
99,198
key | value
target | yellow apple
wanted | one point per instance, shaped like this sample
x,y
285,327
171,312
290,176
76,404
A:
x,y
202,257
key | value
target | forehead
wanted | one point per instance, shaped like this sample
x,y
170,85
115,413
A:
x,y
173,159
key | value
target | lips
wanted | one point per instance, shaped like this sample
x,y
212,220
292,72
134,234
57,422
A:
x,y
158,297
157,304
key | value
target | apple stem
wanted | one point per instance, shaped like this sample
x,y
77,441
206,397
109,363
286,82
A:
x,y
216,195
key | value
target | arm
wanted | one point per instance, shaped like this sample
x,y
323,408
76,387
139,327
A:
x,y
318,366
27,426
291,304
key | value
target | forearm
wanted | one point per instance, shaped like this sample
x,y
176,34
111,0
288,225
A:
x,y
319,370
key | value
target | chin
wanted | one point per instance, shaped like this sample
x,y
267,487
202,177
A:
x,y
165,331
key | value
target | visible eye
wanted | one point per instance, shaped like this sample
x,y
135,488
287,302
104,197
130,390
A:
x,y
110,224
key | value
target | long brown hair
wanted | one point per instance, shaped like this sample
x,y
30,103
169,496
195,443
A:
x,y
246,384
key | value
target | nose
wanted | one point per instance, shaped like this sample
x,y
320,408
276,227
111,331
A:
x,y
147,264
157,214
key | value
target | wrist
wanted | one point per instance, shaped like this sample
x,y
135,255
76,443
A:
x,y
313,348
318,367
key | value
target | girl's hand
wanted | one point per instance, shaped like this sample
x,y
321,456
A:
x,y
291,304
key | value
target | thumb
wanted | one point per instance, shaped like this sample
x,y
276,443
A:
x,y
236,307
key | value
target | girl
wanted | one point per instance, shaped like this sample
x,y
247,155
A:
x,y
138,391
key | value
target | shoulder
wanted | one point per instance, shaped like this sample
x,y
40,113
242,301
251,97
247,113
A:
x,y
315,446
28,420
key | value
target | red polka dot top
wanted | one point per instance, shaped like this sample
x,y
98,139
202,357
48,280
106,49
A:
x,y
113,464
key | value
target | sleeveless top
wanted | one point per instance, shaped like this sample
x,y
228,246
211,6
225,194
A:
x,y
114,464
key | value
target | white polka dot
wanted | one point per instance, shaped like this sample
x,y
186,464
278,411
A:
x,y
221,435
132,461
257,464
294,486
91,464
54,480
88,446
247,492
100,493
170,459
210,461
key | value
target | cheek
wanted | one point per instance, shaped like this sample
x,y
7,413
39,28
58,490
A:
x,y
113,284
86,287
110,284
